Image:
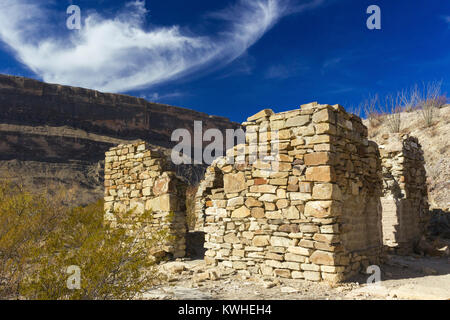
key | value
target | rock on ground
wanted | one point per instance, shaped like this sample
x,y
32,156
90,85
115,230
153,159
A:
x,y
403,278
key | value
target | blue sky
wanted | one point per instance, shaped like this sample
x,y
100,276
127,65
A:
x,y
230,58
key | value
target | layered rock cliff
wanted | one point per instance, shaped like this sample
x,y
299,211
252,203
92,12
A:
x,y
53,134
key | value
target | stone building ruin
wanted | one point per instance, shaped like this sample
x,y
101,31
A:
x,y
404,200
308,196
140,178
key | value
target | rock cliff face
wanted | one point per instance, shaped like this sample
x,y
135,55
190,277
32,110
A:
x,y
57,133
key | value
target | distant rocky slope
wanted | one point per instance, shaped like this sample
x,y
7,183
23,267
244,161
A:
x,y
53,135
435,141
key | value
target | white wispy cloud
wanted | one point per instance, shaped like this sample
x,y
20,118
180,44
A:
x,y
119,54
447,19
243,66
285,71
157,97
332,62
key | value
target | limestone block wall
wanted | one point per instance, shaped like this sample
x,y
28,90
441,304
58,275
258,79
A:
x,y
140,178
307,196
301,199
404,200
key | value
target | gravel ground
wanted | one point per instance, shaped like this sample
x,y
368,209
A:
x,y
408,277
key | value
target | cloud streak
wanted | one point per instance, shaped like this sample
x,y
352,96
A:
x,y
119,54
447,19
285,71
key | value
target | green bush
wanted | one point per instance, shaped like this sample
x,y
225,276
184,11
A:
x,y
39,240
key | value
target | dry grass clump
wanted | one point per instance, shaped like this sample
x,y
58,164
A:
x,y
430,102
370,108
426,101
393,110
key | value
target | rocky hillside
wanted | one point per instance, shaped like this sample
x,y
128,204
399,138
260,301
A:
x,y
435,141
55,136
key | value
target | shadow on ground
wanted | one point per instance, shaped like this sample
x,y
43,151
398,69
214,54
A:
x,y
195,241
409,267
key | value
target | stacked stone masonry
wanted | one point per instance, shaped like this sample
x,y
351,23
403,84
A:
x,y
404,202
140,179
301,199
307,196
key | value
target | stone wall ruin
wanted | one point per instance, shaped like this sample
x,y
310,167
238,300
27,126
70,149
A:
x,y
140,178
404,201
308,208
308,196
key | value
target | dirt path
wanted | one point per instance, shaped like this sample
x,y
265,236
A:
x,y
402,278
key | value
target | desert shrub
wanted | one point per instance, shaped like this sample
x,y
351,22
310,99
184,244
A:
x,y
442,100
39,241
427,101
370,108
394,121
26,220
393,109
431,101
410,98
428,113
355,109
